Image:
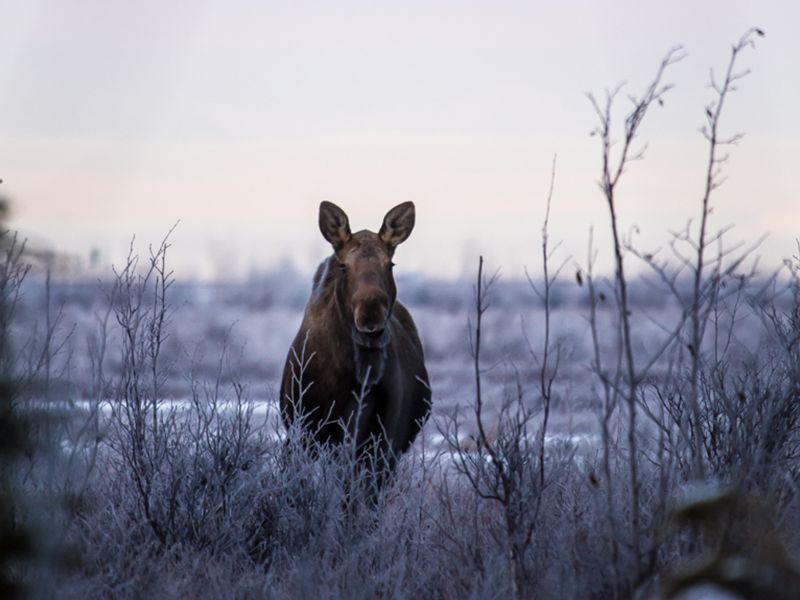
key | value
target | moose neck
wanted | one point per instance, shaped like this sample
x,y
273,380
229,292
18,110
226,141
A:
x,y
369,365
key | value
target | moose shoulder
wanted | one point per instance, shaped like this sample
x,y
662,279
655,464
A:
x,y
357,354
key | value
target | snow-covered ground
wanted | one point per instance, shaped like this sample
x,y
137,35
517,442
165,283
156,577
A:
x,y
254,322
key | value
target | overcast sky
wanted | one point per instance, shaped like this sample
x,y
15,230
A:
x,y
238,118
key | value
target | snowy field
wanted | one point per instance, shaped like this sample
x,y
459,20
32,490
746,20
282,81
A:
x,y
208,494
251,324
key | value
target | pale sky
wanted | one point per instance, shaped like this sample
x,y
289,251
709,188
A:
x,y
238,118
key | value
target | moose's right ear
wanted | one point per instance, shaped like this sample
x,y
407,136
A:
x,y
333,224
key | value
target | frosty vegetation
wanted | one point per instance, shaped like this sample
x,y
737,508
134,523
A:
x,y
621,438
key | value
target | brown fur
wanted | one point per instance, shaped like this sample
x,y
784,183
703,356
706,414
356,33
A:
x,y
359,339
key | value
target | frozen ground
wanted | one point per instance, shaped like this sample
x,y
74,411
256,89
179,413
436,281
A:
x,y
255,321
209,486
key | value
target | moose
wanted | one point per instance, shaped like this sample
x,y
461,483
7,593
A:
x,y
356,370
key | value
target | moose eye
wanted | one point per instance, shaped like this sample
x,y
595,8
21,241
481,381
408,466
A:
x,y
342,267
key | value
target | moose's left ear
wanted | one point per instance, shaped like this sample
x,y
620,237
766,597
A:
x,y
397,224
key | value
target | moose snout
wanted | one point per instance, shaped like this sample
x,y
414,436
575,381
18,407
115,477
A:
x,y
371,321
370,316
370,328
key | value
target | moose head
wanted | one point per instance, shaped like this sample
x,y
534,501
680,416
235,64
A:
x,y
363,261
